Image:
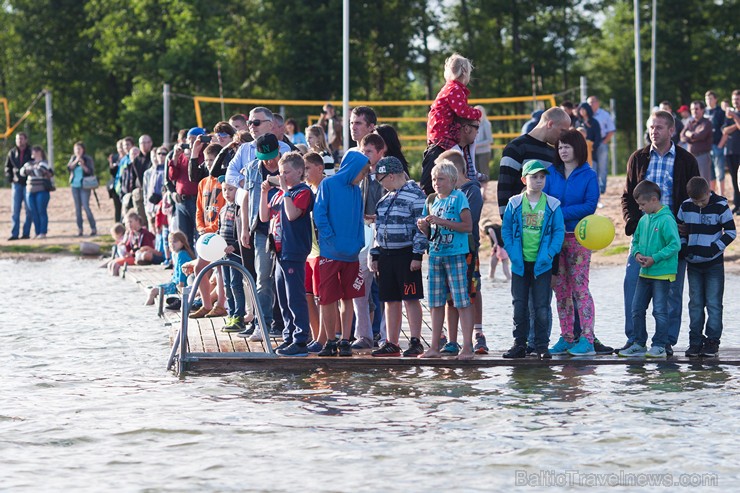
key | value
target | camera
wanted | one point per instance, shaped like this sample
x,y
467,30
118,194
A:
x,y
184,146
274,180
205,139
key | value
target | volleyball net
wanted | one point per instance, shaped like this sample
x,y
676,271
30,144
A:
x,y
409,117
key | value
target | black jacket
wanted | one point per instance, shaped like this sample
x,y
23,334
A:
x,y
14,163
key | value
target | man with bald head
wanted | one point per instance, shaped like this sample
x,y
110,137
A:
x,y
538,144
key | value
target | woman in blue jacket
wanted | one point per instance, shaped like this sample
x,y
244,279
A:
x,y
576,185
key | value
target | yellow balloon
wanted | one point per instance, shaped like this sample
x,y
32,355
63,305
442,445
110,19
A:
x,y
595,232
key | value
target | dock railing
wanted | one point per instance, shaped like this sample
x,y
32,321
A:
x,y
180,350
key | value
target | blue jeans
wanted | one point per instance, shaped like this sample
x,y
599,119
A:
x,y
602,165
675,301
38,202
185,212
263,266
706,288
234,287
718,161
82,201
19,198
657,290
526,289
532,311
290,281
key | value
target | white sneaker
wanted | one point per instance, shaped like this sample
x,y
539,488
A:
x,y
656,352
634,350
256,336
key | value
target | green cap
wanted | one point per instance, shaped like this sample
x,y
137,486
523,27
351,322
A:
x,y
532,167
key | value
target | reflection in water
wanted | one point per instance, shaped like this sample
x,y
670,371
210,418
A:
x,y
90,402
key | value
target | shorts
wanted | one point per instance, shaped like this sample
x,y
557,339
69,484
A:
x,y
501,254
169,288
396,282
339,281
312,276
448,275
125,261
472,276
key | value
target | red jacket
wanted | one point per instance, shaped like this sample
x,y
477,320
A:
x,y
451,101
178,172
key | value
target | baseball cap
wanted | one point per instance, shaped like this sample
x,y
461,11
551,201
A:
x,y
683,108
389,165
196,131
532,167
267,147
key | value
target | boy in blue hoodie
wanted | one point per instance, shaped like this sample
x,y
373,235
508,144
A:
x,y
338,215
533,231
655,244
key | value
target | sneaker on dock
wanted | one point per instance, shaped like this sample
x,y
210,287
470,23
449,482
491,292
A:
x,y
451,349
315,347
233,324
710,348
345,348
656,352
415,348
362,343
480,344
582,348
330,349
633,350
516,351
561,347
294,349
694,351
387,350
602,349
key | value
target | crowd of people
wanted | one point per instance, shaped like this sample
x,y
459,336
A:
x,y
335,235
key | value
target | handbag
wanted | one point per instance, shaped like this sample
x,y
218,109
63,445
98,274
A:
x,y
155,198
111,186
90,182
49,185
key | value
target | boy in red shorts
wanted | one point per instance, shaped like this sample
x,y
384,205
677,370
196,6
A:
x,y
338,215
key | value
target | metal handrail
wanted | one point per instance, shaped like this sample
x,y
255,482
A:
x,y
188,296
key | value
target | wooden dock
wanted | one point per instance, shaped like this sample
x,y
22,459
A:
x,y
213,351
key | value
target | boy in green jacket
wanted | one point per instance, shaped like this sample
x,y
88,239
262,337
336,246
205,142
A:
x,y
656,244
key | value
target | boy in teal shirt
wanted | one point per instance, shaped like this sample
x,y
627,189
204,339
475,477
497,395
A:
x,y
533,232
656,245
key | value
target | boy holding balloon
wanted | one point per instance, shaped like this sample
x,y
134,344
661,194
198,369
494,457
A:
x,y
533,231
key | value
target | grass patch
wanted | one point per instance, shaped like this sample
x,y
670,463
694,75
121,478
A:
x,y
619,249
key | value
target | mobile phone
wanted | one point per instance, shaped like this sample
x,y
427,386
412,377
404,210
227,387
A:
x,y
184,146
273,180
206,139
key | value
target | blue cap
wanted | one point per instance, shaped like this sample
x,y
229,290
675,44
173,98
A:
x,y
196,131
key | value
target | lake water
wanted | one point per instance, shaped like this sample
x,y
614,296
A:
x,y
86,405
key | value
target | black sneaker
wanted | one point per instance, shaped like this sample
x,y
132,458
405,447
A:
x,y
387,350
601,349
694,351
415,348
530,351
345,348
710,348
330,349
544,354
275,332
284,345
516,351
294,349
668,350
376,340
480,344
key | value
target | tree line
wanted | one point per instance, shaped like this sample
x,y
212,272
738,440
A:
x,y
105,61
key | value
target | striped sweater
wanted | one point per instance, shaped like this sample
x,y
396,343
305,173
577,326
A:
x,y
395,223
711,229
516,153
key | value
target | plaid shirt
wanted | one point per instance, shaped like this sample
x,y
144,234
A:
x,y
660,171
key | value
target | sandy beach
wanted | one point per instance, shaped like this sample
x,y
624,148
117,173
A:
x,y
62,236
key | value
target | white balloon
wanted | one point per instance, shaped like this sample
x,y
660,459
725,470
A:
x,y
210,247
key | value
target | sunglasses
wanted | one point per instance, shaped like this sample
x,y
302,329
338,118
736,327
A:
x,y
224,135
257,123
471,125
162,153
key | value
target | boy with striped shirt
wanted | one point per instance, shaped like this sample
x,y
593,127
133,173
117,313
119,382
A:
x,y
707,228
